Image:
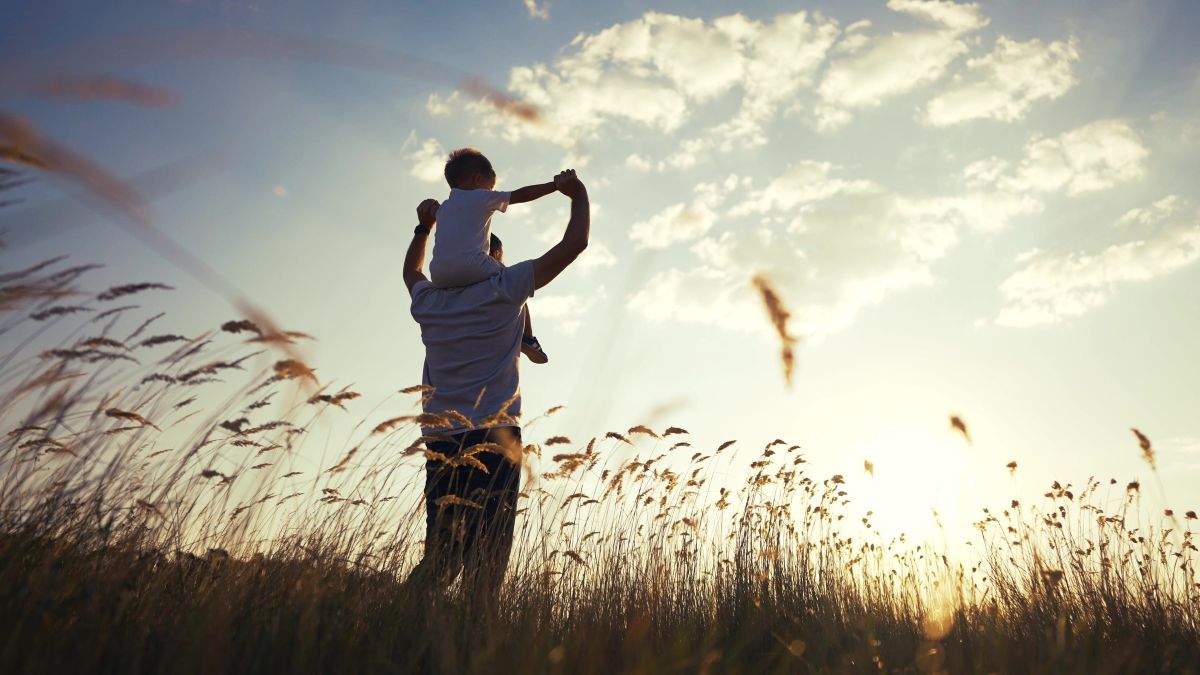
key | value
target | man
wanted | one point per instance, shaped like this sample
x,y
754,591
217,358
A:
x,y
472,336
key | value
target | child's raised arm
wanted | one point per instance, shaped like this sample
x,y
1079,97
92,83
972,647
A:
x,y
530,193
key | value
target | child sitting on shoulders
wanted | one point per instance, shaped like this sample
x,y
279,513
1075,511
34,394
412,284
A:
x,y
462,251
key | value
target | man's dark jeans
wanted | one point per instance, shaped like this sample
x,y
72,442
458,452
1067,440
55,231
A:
x,y
470,513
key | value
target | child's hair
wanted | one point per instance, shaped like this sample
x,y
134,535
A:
x,y
464,163
495,245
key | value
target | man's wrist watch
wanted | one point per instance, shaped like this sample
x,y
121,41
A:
x,y
421,229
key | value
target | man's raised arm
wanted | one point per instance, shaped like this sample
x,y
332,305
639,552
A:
x,y
574,240
414,259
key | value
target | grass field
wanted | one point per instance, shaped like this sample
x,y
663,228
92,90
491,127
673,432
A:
x,y
152,520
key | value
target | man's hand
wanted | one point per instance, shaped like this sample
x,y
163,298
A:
x,y
427,212
567,183
414,259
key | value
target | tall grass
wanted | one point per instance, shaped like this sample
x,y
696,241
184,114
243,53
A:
x,y
160,512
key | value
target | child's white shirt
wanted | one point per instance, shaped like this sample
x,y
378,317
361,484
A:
x,y
461,238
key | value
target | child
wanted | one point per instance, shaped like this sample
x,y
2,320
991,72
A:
x,y
461,245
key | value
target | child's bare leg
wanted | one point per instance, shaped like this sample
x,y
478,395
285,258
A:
x,y
528,322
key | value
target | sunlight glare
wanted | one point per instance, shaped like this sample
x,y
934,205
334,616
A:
x,y
916,472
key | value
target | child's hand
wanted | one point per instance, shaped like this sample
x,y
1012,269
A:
x,y
567,183
427,212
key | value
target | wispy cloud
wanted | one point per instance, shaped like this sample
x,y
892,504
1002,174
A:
x,y
538,11
835,239
833,245
428,158
564,312
654,71
684,221
1152,214
1049,289
1004,84
872,69
659,71
1093,157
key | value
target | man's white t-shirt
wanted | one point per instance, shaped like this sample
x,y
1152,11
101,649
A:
x,y
472,336
461,238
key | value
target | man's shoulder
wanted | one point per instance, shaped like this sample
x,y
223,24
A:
x,y
420,293
511,285
516,281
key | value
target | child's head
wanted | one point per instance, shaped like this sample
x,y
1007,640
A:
x,y
496,249
468,169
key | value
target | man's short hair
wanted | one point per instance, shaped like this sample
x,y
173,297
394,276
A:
x,y
464,163
495,245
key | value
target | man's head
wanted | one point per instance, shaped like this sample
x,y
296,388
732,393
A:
x,y
496,249
468,169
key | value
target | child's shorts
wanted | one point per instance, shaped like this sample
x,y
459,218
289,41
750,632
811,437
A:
x,y
462,270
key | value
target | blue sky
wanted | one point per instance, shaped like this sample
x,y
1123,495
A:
x,y
979,209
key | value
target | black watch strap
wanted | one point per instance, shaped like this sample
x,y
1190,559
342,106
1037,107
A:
x,y
421,229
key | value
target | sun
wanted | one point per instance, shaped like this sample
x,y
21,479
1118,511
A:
x,y
918,483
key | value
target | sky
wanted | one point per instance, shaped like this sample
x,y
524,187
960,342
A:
x,y
979,209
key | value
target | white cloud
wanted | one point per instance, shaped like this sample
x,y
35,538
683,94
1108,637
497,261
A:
x,y
684,221
597,255
700,60
831,245
678,222
1027,255
1004,84
992,211
655,70
782,59
637,162
558,306
441,106
429,159
1154,213
537,11
564,313
801,183
1050,289
873,70
836,244
643,71
658,72
688,154
891,65
985,172
1096,156
958,17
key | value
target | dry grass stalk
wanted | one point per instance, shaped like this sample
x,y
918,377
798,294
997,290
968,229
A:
x,y
126,415
957,424
1147,450
100,87
779,319
500,101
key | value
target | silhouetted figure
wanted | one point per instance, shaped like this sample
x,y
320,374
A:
x,y
473,341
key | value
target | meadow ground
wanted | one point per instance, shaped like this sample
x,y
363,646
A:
x,y
152,520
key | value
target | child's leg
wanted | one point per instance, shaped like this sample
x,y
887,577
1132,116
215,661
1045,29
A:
x,y
463,270
529,344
